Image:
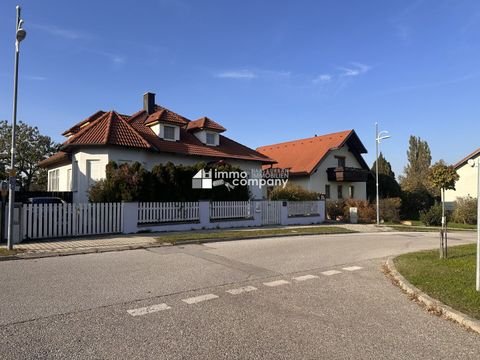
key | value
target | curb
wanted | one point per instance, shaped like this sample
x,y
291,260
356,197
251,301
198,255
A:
x,y
53,253
432,305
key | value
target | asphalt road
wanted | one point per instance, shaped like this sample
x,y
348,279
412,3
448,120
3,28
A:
x,y
312,297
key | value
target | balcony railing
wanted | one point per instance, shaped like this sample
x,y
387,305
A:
x,y
347,174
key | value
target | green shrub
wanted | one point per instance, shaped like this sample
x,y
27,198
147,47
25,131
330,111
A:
x,y
390,209
465,211
414,202
293,192
365,211
335,209
432,216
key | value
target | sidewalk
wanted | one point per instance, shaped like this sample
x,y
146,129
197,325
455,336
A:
x,y
84,245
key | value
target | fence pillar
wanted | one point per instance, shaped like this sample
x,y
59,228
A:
x,y
130,217
204,213
322,211
17,224
284,213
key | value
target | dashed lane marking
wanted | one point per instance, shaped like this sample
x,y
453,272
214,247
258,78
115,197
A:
x,y
197,299
148,309
305,277
241,290
331,272
276,283
352,268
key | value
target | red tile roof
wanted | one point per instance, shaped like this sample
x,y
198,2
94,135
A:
x,y
302,156
205,123
58,158
108,129
76,128
132,131
165,115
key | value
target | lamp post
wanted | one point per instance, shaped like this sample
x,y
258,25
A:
x,y
472,163
20,35
379,136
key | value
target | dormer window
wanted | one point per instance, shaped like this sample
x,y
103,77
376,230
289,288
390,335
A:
x,y
169,132
211,139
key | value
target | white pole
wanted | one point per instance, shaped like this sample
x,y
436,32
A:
x,y
376,172
478,226
13,177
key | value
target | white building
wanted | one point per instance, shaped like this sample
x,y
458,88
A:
x,y
467,183
330,164
153,135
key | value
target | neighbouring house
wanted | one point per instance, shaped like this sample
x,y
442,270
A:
x,y
330,164
467,183
151,136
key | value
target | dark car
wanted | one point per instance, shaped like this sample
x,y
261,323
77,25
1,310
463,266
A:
x,y
45,200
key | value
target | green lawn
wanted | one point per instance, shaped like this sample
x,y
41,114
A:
x,y
452,280
420,227
177,237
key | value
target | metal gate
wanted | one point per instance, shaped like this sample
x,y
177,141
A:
x,y
271,212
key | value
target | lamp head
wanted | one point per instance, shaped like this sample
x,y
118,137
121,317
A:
x,y
471,162
21,33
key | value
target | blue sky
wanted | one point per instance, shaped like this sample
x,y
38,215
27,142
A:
x,y
269,71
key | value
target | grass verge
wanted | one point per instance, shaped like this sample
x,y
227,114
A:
x,y
178,237
5,252
452,280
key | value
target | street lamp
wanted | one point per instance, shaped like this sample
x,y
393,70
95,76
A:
x,y
20,35
472,162
379,136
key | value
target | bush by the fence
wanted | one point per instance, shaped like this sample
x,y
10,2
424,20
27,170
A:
x,y
365,211
166,182
465,210
390,209
335,209
432,216
293,192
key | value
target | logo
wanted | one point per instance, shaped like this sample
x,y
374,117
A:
x,y
208,179
202,180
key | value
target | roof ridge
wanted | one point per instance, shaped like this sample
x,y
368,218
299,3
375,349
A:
x,y
109,125
85,129
147,143
305,139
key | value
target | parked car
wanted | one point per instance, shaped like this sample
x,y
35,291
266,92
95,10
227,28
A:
x,y
45,200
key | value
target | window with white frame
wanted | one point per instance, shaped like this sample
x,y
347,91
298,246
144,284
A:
x,y
211,138
69,179
53,180
169,132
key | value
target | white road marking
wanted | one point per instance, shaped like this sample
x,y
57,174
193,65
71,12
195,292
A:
x,y
331,272
305,277
197,299
276,283
241,290
352,268
148,309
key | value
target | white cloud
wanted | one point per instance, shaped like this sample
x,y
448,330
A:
x,y
323,78
354,69
237,74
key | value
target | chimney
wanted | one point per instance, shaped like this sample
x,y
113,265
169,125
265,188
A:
x,y
149,102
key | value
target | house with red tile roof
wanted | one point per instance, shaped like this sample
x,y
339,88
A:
x,y
466,186
151,136
330,164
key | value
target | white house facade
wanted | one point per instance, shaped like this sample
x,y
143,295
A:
x,y
154,135
330,164
466,186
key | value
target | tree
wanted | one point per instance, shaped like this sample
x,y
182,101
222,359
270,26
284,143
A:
x,y
443,177
419,161
32,147
388,186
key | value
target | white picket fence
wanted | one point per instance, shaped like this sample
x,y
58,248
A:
x,y
42,221
230,210
159,212
302,208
